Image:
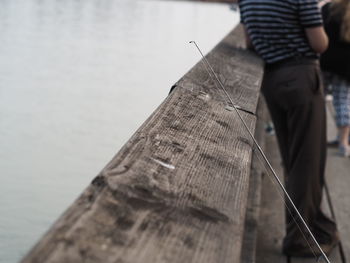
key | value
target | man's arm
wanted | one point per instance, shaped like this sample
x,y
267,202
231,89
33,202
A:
x,y
321,3
317,38
247,38
310,18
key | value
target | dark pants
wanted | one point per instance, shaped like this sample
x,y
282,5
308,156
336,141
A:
x,y
294,95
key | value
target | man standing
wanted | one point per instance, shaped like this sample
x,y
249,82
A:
x,y
289,36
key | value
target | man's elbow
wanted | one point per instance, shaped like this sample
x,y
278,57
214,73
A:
x,y
318,39
320,46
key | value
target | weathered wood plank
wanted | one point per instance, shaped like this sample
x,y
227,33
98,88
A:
x,y
235,67
254,194
172,193
272,222
177,191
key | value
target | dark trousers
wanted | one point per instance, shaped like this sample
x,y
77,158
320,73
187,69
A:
x,y
294,95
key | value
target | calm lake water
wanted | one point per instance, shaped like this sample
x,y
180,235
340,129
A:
x,y
77,78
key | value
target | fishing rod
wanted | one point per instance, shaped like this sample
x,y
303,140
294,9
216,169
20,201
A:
x,y
236,109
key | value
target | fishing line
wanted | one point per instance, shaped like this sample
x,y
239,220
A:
x,y
281,194
270,168
230,102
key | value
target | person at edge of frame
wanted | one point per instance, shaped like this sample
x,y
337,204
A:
x,y
335,63
289,36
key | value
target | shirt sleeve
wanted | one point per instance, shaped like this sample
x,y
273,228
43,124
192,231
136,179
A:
x,y
309,13
241,19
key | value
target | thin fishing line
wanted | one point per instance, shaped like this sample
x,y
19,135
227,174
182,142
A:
x,y
263,154
281,194
209,69
215,83
273,182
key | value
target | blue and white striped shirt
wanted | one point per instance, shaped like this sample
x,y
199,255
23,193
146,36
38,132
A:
x,y
277,27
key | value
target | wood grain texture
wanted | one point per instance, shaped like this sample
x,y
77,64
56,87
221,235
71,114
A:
x,y
254,195
271,227
177,191
239,70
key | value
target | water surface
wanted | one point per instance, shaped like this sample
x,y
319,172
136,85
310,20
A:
x,y
77,78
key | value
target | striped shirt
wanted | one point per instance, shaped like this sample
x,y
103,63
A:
x,y
277,27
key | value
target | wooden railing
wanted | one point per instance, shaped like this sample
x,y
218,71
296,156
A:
x,y
178,190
